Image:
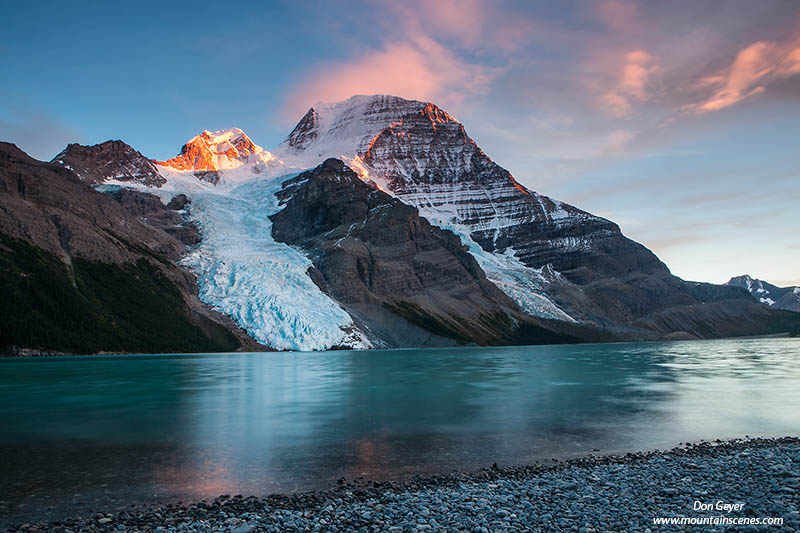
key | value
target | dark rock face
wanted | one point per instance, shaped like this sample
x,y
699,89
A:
x,y
305,131
48,205
722,318
80,259
789,301
111,159
376,256
178,202
149,209
210,176
786,298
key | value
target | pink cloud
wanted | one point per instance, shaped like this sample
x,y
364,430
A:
x,y
752,69
462,19
470,24
421,69
618,15
412,61
630,84
638,66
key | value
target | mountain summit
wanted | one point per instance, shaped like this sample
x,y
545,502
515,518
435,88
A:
x,y
787,298
219,150
424,156
109,160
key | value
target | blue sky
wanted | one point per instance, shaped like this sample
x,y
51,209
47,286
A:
x,y
678,120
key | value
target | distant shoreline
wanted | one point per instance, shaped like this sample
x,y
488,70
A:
x,y
611,491
33,353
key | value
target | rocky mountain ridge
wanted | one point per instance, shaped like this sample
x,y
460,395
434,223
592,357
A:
x,y
786,298
82,273
109,160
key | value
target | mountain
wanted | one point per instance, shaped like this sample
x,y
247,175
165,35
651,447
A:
x,y
210,152
379,222
786,298
555,260
221,150
109,160
81,274
424,156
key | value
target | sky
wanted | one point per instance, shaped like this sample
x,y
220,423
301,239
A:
x,y
678,120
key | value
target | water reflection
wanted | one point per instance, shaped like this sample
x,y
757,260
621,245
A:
x,y
116,429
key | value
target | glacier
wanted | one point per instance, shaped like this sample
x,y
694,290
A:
x,y
244,273
262,284
521,283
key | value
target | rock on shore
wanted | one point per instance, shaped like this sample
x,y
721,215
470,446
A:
x,y
610,493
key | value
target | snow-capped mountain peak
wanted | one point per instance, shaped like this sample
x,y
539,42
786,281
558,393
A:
x,y
219,150
786,298
345,129
419,153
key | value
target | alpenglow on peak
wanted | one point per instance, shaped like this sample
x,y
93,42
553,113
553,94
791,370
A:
x,y
218,150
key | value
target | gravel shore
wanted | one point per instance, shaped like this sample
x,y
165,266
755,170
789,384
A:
x,y
609,493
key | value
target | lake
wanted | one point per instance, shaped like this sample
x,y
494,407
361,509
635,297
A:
x,y
87,432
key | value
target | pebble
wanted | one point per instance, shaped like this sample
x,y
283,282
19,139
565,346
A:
x,y
589,494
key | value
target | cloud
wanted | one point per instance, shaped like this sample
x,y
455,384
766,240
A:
x,y
631,83
462,19
444,51
420,69
754,67
618,15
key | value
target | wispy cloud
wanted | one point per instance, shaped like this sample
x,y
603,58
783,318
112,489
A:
x,y
460,19
631,84
428,54
753,68
618,15
419,68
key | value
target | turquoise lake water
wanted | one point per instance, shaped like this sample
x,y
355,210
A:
x,y
88,432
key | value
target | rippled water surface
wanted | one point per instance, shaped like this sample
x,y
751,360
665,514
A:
x,y
84,432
